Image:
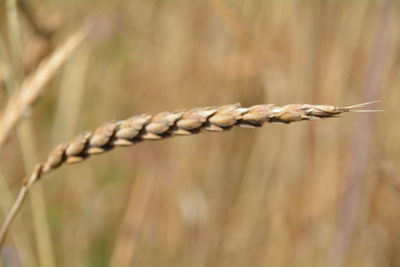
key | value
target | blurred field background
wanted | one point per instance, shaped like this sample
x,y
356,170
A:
x,y
323,193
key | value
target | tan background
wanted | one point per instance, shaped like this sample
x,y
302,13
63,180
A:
x,y
324,193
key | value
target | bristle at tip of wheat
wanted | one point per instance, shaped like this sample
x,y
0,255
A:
x,y
354,108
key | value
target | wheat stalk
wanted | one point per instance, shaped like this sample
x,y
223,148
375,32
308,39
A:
x,y
32,87
167,124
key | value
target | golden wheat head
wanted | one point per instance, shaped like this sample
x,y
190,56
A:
x,y
167,124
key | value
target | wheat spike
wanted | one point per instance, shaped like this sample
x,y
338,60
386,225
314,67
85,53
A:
x,y
167,124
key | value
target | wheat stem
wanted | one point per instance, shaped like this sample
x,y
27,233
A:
x,y
13,213
32,87
163,125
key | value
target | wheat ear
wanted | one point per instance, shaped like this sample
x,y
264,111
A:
x,y
167,124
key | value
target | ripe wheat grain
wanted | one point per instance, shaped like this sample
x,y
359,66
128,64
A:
x,y
167,124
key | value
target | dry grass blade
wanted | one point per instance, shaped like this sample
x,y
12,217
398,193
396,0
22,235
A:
x,y
163,125
33,86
